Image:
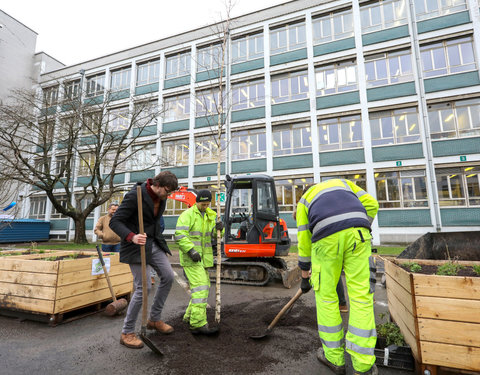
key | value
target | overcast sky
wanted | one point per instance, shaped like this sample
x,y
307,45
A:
x,y
76,31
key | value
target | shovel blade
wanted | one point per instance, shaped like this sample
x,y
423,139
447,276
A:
x,y
260,336
146,340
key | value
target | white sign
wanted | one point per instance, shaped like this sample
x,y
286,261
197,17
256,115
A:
x,y
97,266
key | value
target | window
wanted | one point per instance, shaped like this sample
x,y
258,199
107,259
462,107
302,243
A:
x,y
401,189
383,14
340,133
175,153
120,79
206,149
454,119
174,207
37,208
115,198
42,167
247,47
178,65
248,95
292,139
394,127
50,96
72,90
357,178
459,186
96,85
208,102
92,123
87,164
289,87
249,144
118,119
332,26
145,114
336,78
287,38
84,201
448,57
143,157
425,9
288,189
62,199
387,68
209,57
109,160
61,167
148,72
177,108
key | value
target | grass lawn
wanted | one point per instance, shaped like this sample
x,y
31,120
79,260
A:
x,y
381,250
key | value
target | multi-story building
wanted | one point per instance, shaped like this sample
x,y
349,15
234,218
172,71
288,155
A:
x,y
385,93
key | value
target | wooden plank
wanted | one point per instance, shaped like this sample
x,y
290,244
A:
x,y
28,278
29,291
25,265
448,332
398,274
46,254
84,263
85,275
402,295
456,356
435,262
448,309
447,286
75,302
27,304
98,283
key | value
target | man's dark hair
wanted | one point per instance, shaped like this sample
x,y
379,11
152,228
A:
x,y
166,179
112,204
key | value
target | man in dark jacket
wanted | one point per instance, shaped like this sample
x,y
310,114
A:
x,y
125,224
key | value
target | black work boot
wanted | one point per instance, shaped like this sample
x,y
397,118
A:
x,y
204,330
373,371
339,370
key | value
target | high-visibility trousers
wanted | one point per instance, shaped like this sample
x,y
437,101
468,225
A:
x,y
196,314
349,249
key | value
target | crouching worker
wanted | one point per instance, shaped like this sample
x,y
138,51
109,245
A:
x,y
194,237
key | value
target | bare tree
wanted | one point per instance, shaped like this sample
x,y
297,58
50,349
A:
x,y
72,149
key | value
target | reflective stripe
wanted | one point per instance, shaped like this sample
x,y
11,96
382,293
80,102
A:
x,y
199,300
303,201
360,349
200,288
327,190
208,244
302,227
178,238
334,219
346,185
332,344
304,259
370,219
327,329
367,333
196,233
197,243
182,228
360,193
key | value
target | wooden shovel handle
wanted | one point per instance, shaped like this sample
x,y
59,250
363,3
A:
x,y
285,308
143,257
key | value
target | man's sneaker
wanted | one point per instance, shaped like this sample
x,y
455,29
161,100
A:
x,y
204,330
343,308
340,370
373,371
130,340
160,326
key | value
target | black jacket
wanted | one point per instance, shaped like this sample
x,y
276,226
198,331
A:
x,y
125,220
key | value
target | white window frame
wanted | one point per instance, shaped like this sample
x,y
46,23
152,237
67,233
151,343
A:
x,y
247,95
336,78
290,139
207,102
332,26
442,8
63,202
50,96
143,157
247,47
403,73
175,152
289,37
118,119
148,72
335,131
206,149
120,79
374,16
404,127
284,87
465,176
398,182
96,85
178,65
249,144
37,208
71,90
177,108
209,57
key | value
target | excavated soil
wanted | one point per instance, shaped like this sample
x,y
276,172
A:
x,y
232,349
428,269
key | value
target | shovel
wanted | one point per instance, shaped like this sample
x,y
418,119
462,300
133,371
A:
x,y
143,329
278,317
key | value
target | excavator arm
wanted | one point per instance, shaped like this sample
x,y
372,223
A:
x,y
184,195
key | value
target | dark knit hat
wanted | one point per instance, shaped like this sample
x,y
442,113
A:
x,y
204,196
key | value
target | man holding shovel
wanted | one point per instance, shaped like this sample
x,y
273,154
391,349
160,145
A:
x,y
125,223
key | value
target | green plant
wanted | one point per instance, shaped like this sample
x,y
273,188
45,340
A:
x,y
10,254
391,333
51,259
412,266
73,256
449,269
476,269
41,251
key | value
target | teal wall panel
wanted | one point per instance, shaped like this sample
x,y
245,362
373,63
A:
x,y
438,23
404,218
208,74
141,175
146,131
248,166
48,111
89,224
384,35
291,107
286,57
206,121
83,181
338,100
391,91
397,152
338,45
117,95
292,162
174,126
248,114
247,66
342,157
460,216
93,100
453,81
170,222
58,224
456,147
175,82
117,179
146,89
180,172
291,223
201,170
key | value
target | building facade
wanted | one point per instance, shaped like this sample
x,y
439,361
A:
x,y
385,93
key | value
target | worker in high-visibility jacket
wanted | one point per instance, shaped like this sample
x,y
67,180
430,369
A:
x,y
333,221
193,234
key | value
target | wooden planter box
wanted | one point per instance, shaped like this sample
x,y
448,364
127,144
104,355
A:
x,y
438,315
30,284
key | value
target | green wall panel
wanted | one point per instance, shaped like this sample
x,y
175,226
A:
x,y
338,45
292,162
89,224
141,176
201,170
48,111
384,35
391,91
58,224
438,23
404,218
453,81
170,222
286,57
117,179
174,126
83,181
337,100
342,157
456,147
88,140
248,114
203,122
146,89
175,82
93,100
291,223
180,172
208,74
460,216
117,95
397,152
291,107
247,166
146,131
247,66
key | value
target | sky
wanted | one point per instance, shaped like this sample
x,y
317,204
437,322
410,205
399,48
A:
x,y
76,31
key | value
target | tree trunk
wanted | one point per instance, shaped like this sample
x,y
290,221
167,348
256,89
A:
x,y
80,235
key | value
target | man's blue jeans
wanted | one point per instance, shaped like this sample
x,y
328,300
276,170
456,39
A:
x,y
111,248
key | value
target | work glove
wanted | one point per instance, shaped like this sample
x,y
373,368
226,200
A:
x,y
219,225
194,255
305,285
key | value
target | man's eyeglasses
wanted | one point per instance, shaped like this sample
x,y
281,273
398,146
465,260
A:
x,y
168,191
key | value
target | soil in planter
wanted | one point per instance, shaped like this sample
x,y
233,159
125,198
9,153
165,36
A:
x,y
54,258
432,270
232,351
